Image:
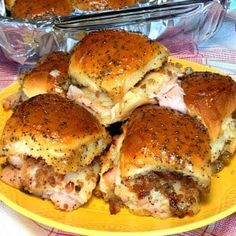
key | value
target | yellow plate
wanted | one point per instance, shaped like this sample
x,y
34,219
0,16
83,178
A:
x,y
94,217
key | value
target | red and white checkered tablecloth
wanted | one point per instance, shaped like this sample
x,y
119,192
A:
x,y
220,52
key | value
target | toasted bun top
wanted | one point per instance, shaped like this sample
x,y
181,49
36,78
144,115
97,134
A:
x,y
114,61
211,97
30,9
54,117
161,139
9,4
102,4
49,76
53,128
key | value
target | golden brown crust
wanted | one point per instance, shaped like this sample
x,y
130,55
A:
x,y
102,5
31,9
49,76
9,4
164,139
56,118
55,129
114,61
210,96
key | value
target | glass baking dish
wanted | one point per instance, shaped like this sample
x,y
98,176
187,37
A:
x,y
181,21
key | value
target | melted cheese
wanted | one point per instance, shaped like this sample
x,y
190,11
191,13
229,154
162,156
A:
x,y
228,135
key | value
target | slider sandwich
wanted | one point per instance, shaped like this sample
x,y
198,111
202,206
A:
x,y
50,148
211,98
113,72
32,9
158,166
48,76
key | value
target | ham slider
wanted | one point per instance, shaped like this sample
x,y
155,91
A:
x,y
113,72
34,9
51,148
159,165
48,76
211,98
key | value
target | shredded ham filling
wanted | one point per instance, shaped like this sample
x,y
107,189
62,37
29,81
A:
x,y
183,193
67,192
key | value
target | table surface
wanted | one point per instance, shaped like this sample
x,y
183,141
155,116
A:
x,y
219,52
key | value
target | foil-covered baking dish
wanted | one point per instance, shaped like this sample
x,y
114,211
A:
x,y
180,21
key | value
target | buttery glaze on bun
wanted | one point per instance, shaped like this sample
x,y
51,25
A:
x,y
163,139
159,166
113,72
102,4
64,134
31,9
114,61
50,145
212,98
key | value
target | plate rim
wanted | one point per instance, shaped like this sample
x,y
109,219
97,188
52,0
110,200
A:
x,y
79,230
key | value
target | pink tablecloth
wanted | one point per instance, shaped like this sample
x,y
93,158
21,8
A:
x,y
219,52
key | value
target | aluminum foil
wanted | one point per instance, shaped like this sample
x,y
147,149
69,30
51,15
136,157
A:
x,y
24,41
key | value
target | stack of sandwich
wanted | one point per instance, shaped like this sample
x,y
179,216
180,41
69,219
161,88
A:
x,y
176,128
